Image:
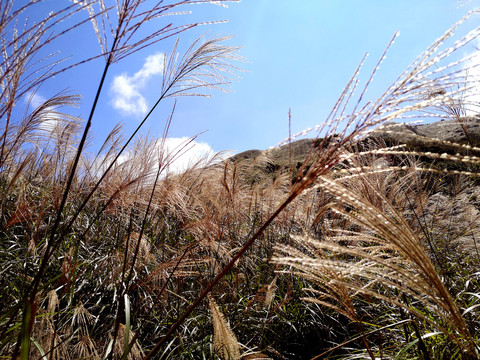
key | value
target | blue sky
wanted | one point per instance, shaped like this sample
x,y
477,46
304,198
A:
x,y
299,54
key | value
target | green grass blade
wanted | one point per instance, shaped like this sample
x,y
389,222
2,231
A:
x,y
127,327
25,332
40,349
401,354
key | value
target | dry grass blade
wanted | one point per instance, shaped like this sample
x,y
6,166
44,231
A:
x,y
135,353
121,23
44,332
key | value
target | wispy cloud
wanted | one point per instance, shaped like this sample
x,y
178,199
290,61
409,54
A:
x,y
126,89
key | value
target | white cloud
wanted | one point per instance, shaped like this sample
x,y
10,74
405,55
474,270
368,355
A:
x,y
189,154
127,89
180,154
153,66
35,100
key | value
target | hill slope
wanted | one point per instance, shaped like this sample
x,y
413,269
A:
x,y
421,137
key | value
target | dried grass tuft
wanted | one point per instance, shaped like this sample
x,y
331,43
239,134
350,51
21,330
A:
x,y
225,343
135,353
270,294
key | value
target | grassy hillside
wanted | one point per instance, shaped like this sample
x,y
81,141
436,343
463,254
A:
x,y
349,246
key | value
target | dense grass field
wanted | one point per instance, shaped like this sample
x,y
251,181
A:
x,y
360,244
